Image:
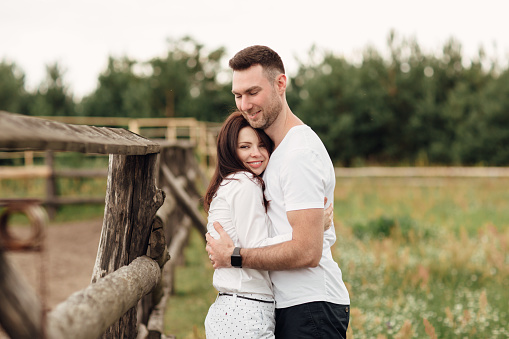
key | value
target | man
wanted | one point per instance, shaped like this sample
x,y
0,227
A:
x,y
311,298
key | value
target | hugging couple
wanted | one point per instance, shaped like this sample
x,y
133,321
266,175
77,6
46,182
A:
x,y
269,234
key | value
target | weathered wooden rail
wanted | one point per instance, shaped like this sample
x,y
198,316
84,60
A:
x,y
200,135
138,232
423,172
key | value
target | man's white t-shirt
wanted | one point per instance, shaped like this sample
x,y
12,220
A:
x,y
299,175
238,207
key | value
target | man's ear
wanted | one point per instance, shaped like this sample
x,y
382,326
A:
x,y
281,83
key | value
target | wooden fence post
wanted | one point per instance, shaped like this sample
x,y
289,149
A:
x,y
20,310
132,201
51,185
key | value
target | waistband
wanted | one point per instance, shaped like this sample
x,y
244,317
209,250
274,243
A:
x,y
249,296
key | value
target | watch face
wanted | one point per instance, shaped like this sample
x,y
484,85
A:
x,y
236,261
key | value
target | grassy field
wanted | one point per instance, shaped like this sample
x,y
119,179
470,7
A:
x,y
422,258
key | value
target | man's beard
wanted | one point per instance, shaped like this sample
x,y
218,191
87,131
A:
x,y
269,114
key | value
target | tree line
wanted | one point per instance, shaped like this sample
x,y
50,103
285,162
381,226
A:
x,y
405,107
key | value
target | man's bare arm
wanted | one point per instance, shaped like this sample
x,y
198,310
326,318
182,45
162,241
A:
x,y
304,250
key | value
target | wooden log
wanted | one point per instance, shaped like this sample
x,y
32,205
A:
x,y
142,332
134,126
158,249
19,155
29,158
409,172
159,252
20,172
59,201
185,201
176,250
155,306
131,203
20,309
196,172
51,185
88,313
80,173
165,215
156,320
164,212
20,132
95,121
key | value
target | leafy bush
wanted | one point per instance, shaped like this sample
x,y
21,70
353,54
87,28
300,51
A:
x,y
384,227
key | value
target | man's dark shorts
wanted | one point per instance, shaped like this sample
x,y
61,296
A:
x,y
312,320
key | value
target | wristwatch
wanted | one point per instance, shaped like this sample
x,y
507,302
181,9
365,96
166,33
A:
x,y
236,258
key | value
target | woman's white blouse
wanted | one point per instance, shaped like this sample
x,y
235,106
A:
x,y
238,207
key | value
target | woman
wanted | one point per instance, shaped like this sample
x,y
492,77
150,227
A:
x,y
235,198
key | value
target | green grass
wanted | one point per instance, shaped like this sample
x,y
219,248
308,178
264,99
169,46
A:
x,y
458,284
187,308
449,203
417,251
78,212
417,255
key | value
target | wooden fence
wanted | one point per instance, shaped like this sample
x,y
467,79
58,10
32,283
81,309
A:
x,y
421,172
150,205
200,135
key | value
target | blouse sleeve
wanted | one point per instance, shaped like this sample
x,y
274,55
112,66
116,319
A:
x,y
248,214
247,211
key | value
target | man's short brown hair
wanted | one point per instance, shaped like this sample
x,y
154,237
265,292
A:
x,y
258,55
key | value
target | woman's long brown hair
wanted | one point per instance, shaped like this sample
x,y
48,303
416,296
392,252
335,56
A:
x,y
228,161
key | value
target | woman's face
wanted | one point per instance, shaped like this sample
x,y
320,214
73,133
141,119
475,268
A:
x,y
251,151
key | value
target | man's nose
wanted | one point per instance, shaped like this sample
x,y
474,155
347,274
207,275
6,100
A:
x,y
245,104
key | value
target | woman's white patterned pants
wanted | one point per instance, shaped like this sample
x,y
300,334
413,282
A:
x,y
235,317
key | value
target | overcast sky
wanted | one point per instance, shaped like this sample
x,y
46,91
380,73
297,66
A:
x,y
80,35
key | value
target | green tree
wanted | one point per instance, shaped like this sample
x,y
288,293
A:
x,y
408,107
411,107
53,97
185,82
346,105
482,136
13,95
121,93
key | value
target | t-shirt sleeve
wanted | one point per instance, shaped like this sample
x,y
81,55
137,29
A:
x,y
302,180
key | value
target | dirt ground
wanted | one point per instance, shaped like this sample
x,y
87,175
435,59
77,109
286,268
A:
x,y
68,260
